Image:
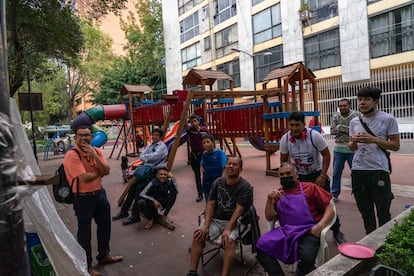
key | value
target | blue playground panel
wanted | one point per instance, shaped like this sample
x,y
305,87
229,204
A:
x,y
281,115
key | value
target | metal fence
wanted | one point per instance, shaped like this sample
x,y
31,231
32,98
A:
x,y
397,98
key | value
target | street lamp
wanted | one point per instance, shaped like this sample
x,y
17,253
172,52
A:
x,y
162,62
251,55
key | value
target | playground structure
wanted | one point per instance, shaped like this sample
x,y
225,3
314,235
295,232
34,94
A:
x,y
262,122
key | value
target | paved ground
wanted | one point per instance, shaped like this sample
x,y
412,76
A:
x,y
159,251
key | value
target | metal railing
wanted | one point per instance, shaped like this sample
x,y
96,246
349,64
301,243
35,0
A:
x,y
397,98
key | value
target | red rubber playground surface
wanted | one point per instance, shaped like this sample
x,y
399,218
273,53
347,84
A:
x,y
159,251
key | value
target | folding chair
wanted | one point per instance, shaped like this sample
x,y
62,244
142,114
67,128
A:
x,y
249,232
323,252
383,270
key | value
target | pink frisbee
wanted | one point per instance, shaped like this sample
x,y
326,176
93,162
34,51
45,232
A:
x,y
356,250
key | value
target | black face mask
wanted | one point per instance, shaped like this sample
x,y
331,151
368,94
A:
x,y
287,182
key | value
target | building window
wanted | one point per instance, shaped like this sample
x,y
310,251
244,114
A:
x,y
189,27
225,40
223,10
322,10
186,5
392,32
207,43
191,56
264,64
255,2
233,69
267,24
322,50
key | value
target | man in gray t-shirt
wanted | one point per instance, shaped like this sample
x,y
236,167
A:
x,y
371,184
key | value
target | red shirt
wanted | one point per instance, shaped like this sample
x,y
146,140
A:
x,y
318,199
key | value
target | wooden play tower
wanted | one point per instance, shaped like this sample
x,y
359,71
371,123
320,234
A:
x,y
136,94
262,122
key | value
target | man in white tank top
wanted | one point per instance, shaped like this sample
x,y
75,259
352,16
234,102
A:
x,y
309,152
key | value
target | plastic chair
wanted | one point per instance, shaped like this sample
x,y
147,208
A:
x,y
383,270
249,232
323,252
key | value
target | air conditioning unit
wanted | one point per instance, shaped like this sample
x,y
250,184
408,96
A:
x,y
304,15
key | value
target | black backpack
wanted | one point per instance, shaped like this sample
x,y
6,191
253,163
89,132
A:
x,y
62,191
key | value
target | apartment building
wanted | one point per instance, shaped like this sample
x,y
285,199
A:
x,y
347,44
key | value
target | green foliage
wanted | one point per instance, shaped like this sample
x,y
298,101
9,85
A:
x,y
38,30
52,84
398,249
145,49
95,9
95,58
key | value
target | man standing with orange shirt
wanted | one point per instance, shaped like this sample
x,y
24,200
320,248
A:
x,y
89,165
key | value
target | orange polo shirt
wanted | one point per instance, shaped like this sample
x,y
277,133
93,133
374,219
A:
x,y
75,167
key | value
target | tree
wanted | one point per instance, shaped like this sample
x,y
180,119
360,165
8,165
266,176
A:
x,y
39,30
96,57
145,49
95,9
52,85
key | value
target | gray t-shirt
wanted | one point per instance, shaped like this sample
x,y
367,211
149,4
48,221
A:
x,y
369,156
304,153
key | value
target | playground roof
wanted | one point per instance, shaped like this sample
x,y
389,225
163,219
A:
x,y
135,89
206,77
290,70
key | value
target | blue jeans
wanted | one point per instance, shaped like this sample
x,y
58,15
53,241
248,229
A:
x,y
338,167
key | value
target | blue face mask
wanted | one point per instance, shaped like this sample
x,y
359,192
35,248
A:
x,y
287,182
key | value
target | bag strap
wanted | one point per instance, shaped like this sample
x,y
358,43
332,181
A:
x,y
77,179
158,162
370,132
311,138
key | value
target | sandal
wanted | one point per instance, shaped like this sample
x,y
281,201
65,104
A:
x,y
149,225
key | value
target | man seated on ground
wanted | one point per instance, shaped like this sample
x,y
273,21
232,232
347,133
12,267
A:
x,y
303,211
154,156
230,196
159,194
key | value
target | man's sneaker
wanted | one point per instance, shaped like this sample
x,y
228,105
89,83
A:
x,y
339,238
199,198
335,199
120,215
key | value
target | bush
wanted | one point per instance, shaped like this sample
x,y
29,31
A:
x,y
398,248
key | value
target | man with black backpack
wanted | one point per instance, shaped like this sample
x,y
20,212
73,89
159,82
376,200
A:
x,y
309,151
87,165
370,136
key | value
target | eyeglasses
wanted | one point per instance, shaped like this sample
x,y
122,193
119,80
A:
x,y
84,135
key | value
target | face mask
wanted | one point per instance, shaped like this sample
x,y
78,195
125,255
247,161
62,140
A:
x,y
287,182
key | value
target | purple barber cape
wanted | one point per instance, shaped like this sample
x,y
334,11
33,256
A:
x,y
295,220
